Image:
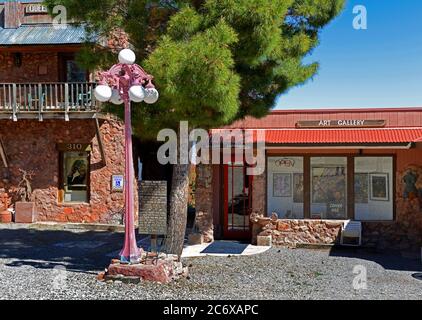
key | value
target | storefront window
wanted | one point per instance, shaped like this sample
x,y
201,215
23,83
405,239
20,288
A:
x,y
75,176
285,187
374,188
329,187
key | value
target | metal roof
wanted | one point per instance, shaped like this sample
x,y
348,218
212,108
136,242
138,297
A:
x,y
45,34
344,136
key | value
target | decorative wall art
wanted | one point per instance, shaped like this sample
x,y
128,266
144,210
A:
x,y
282,185
379,186
298,187
328,183
410,190
361,188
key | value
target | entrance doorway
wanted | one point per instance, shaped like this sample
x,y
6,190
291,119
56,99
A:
x,y
237,202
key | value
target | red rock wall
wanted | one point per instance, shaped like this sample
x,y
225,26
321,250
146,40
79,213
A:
x,y
288,232
28,71
31,145
204,202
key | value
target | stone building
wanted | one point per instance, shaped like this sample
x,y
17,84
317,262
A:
x,y
323,167
50,124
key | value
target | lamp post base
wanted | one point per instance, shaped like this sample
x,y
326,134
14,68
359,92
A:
x,y
133,259
153,267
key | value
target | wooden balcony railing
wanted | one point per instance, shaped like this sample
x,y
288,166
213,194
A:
x,y
29,100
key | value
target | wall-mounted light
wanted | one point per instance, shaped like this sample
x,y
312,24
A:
x,y
17,59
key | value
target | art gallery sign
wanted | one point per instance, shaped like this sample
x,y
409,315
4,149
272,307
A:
x,y
342,123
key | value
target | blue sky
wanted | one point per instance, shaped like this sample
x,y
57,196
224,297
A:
x,y
377,67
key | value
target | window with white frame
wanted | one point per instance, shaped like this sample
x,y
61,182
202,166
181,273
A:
x,y
285,187
374,188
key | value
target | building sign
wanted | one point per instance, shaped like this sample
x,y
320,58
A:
x,y
345,123
117,183
153,208
35,8
77,147
285,162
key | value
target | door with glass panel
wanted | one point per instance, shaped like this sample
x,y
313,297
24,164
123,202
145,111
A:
x,y
237,201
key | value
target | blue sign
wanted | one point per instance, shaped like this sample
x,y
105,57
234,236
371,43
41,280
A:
x,y
117,183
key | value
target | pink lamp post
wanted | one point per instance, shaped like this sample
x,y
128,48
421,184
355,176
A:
x,y
123,83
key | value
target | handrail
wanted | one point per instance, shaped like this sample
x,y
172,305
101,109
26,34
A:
x,y
47,97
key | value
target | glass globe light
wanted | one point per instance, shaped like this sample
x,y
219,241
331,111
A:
x,y
103,93
151,95
137,93
127,56
116,98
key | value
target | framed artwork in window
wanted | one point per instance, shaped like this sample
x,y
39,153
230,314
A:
x,y
379,186
361,188
282,184
298,187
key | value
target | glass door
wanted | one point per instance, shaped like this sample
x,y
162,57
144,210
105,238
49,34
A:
x,y
238,202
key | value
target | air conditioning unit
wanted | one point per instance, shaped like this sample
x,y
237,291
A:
x,y
351,234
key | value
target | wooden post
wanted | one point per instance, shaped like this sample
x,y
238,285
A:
x,y
100,141
40,102
154,246
14,106
66,101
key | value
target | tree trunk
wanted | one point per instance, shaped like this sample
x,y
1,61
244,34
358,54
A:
x,y
178,209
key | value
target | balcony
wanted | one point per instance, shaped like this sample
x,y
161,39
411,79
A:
x,y
47,101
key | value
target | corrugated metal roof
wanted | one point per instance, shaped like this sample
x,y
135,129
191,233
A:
x,y
42,35
335,136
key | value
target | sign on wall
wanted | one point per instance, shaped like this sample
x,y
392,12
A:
x,y
77,147
117,183
345,123
35,8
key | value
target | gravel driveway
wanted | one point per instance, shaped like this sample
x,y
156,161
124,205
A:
x,y
63,265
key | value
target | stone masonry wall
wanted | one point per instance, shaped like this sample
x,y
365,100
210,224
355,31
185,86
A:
x,y
203,202
31,145
259,193
29,70
289,232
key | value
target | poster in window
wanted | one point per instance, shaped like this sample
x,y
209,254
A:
x,y
298,187
379,187
361,188
282,185
328,183
77,172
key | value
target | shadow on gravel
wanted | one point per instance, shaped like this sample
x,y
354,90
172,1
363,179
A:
x,y
388,260
77,251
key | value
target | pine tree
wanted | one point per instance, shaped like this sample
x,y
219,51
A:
x,y
214,61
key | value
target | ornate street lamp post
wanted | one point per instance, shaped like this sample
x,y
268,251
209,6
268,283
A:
x,y
125,82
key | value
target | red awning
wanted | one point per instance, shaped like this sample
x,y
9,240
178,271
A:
x,y
344,136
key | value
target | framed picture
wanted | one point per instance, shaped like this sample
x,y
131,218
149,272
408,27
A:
x,y
298,187
379,186
361,188
328,183
282,184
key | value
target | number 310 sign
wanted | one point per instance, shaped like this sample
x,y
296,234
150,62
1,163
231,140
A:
x,y
117,182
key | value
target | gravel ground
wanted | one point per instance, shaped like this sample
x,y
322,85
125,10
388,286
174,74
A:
x,y
31,268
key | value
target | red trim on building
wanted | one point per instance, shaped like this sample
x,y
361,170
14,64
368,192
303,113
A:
x,y
290,136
